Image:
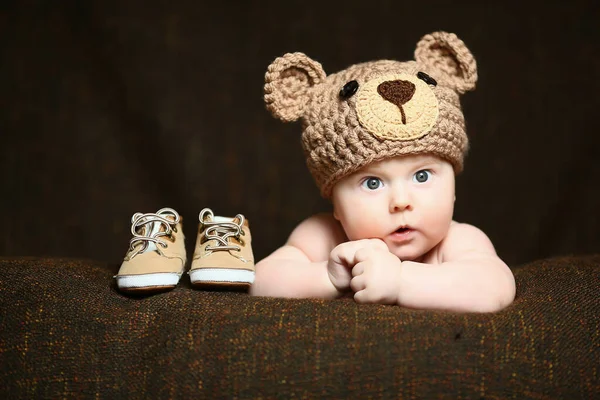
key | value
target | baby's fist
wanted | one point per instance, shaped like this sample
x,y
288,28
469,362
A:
x,y
343,258
376,277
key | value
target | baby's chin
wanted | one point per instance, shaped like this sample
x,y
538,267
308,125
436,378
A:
x,y
406,253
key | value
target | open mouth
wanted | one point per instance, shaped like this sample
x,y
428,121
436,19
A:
x,y
402,234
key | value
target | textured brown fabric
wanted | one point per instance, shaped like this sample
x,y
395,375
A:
x,y
66,333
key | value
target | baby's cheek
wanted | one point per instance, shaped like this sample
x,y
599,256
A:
x,y
441,209
363,230
440,227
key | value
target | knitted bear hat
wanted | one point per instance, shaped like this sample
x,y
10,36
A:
x,y
375,110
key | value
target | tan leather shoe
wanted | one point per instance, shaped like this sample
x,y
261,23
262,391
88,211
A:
x,y
156,256
223,253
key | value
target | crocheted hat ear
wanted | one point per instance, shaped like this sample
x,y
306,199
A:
x,y
446,54
287,82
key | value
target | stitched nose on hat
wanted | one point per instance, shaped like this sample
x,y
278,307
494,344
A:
x,y
397,92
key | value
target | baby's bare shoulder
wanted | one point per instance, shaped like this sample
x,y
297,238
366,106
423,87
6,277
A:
x,y
464,240
316,236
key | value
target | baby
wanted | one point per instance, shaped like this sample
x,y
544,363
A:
x,y
383,142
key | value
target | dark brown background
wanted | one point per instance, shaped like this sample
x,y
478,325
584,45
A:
x,y
111,107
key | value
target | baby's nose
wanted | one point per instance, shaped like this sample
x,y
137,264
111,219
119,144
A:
x,y
398,92
400,200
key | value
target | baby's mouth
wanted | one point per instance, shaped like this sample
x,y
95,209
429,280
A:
x,y
402,234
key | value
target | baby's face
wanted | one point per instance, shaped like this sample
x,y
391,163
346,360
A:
x,y
406,201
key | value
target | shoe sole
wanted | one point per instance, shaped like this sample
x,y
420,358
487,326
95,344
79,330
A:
x,y
221,277
148,282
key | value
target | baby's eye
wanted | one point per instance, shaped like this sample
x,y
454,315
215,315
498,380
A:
x,y
422,176
372,183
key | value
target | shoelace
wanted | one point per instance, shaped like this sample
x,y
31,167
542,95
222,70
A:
x,y
139,220
221,231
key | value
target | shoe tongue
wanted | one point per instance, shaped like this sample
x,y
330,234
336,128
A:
x,y
152,228
219,219
235,220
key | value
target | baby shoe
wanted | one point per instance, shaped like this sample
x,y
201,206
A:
x,y
223,253
156,256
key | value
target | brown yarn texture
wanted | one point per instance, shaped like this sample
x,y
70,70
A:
x,y
67,333
337,142
445,52
287,83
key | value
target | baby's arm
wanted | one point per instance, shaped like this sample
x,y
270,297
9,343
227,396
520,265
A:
x,y
470,277
299,268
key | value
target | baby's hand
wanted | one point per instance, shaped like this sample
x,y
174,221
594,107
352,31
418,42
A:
x,y
376,276
343,258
